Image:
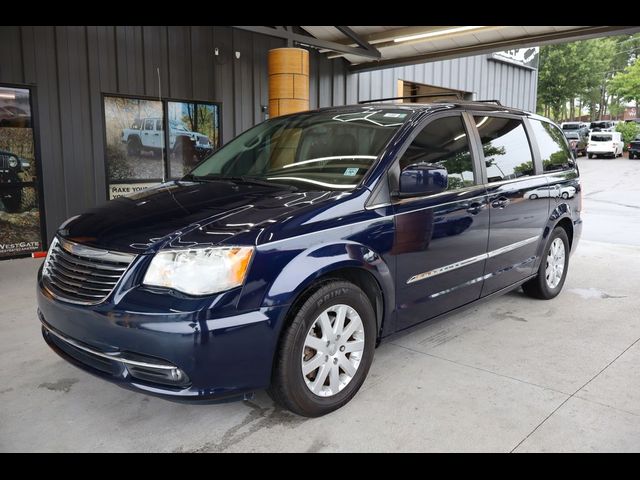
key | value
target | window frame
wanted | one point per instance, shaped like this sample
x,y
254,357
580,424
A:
x,y
533,146
165,123
539,164
393,173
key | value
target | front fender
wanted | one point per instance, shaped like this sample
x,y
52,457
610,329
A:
x,y
305,267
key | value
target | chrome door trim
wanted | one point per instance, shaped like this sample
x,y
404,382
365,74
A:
x,y
471,260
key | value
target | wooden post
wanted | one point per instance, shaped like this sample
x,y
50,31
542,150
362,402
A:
x,y
288,81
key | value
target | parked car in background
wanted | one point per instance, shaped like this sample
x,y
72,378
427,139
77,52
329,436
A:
x,y
602,126
555,191
15,197
607,144
634,148
579,127
148,134
283,259
577,142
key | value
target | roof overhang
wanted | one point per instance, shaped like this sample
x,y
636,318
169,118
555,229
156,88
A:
x,y
375,47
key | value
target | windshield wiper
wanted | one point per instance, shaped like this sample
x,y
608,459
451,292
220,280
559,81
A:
x,y
213,177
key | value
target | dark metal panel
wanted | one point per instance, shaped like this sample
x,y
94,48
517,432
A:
x,y
179,48
223,79
338,81
313,79
11,55
28,54
243,80
95,110
324,82
202,62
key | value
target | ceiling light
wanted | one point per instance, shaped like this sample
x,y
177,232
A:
x,y
10,96
435,33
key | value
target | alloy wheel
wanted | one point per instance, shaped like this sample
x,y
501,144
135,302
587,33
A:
x,y
555,263
333,350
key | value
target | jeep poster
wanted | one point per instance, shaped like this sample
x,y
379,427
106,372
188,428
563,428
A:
x,y
20,231
138,152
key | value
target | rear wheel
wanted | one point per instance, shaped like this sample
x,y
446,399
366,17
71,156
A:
x,y
134,147
553,268
590,155
325,354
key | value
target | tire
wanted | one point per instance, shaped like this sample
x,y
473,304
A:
x,y
289,386
533,197
21,200
565,195
134,147
590,155
541,287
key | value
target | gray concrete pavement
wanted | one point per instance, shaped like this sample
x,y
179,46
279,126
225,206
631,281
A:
x,y
513,374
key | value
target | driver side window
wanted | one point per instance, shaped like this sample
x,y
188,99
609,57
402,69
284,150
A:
x,y
443,143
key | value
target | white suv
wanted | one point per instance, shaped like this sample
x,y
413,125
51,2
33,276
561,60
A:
x,y
605,143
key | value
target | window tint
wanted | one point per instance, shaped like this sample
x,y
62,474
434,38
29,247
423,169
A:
x,y
506,148
443,142
554,151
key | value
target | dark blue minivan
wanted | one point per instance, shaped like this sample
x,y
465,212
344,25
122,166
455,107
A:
x,y
284,258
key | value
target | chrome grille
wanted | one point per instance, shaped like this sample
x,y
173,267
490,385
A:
x,y
79,274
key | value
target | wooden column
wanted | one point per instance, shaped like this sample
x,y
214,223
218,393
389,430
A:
x,y
288,81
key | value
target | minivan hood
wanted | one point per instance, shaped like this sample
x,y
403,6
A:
x,y
167,213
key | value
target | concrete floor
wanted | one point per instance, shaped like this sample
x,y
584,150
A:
x,y
514,374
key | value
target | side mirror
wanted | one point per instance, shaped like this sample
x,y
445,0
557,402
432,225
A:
x,y
421,179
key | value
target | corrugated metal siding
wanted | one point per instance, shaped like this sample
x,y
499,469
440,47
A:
x,y
70,68
487,79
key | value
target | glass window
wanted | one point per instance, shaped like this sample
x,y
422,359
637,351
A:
x,y
137,153
193,134
506,149
553,148
443,142
310,150
20,231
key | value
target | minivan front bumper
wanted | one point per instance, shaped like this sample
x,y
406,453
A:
x,y
178,356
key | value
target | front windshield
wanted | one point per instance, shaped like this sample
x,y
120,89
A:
x,y
311,150
571,126
177,126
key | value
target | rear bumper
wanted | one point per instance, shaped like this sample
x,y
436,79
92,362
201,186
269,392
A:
x,y
217,357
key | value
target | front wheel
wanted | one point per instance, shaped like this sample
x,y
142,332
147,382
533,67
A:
x,y
553,268
325,354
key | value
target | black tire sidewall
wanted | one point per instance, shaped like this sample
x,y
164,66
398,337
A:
x,y
302,400
548,292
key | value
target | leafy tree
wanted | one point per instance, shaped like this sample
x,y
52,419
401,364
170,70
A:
x,y
627,83
629,131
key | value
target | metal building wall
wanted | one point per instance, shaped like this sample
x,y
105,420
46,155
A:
x,y
71,67
488,79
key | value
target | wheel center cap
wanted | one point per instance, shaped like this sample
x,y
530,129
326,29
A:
x,y
333,348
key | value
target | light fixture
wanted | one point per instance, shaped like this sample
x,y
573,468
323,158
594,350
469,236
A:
x,y
10,96
435,33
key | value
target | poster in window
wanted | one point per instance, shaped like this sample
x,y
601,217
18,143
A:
x,y
20,226
134,148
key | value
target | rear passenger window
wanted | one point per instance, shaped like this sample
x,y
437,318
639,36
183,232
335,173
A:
x,y
445,143
554,151
507,153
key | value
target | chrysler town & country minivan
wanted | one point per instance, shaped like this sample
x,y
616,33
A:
x,y
284,258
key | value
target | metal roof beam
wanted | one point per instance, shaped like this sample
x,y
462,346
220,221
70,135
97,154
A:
x,y
312,41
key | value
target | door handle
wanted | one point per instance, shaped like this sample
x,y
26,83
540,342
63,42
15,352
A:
x,y
475,208
500,202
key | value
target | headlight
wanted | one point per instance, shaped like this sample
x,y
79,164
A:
x,y
199,271
13,162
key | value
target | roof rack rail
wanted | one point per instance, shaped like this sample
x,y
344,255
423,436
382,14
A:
x,y
444,94
497,102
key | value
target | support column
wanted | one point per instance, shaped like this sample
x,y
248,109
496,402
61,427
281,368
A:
x,y
288,81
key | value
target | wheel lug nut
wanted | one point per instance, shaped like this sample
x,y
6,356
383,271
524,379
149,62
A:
x,y
342,348
326,358
335,361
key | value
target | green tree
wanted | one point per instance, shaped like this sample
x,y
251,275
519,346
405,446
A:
x,y
626,84
629,131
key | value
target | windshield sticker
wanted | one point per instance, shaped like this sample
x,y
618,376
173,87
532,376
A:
x,y
351,172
